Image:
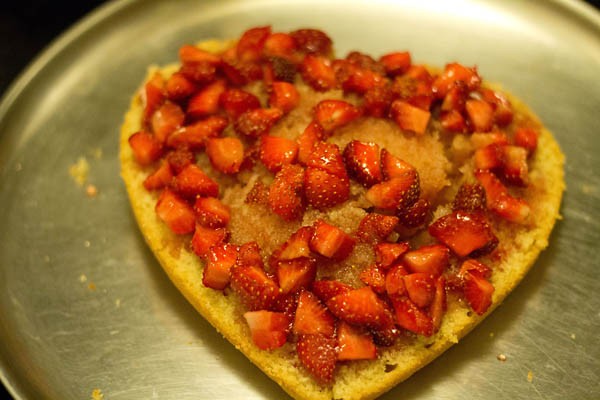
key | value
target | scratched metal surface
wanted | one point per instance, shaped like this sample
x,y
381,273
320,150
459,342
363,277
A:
x,y
83,303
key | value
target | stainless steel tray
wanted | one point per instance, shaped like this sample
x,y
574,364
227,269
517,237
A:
x,y
83,303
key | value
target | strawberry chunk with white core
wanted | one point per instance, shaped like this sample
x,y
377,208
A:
x,y
330,241
221,258
268,329
432,259
464,233
312,317
354,343
225,154
410,118
175,212
359,307
333,114
292,275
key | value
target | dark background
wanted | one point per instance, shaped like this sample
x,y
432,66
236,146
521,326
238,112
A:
x,y
28,26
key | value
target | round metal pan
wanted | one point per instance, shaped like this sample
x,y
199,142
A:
x,y
85,310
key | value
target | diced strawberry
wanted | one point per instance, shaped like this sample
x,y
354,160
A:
x,y
377,101
478,291
431,259
481,115
240,72
503,111
166,119
470,197
279,69
411,317
323,189
221,258
179,87
201,73
206,101
438,305
312,134
287,304
279,45
326,289
362,162
146,148
354,344
312,317
237,101
152,95
396,63
386,335
453,121
456,98
180,158
285,193
312,41
256,290
360,80
393,167
295,274
192,182
420,288
330,241
269,329
160,178
464,232
396,193
333,114
374,277
415,215
376,227
453,73
249,255
499,200
284,96
175,212
226,154
277,151
409,117
365,61
515,170
388,253
490,157
211,212
195,135
394,281
476,267
298,245
318,73
318,355
250,46
256,122
205,238
192,54
326,156
483,139
526,138
360,307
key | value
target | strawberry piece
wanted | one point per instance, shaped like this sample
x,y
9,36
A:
x,y
377,101
249,255
397,193
503,111
318,73
330,241
482,139
452,74
192,182
318,355
394,281
146,148
295,274
221,258
388,253
268,329
237,101
478,291
396,63
287,304
240,72
470,197
360,307
327,157
206,101
180,158
333,114
326,289
298,245
279,69
324,190
206,238
201,73
211,212
411,317
258,194
362,162
312,317
393,167
152,95
438,305
166,119
373,277
376,227
414,87
361,80
189,54
256,290
481,115
276,152
195,136
179,87
354,344
456,98
312,41
279,45
515,170
414,215
409,117
256,122
160,178
453,121
175,212
365,61
431,259
250,46
475,267
490,157
464,233
312,134
499,200
526,138
420,288
285,193
284,96
226,154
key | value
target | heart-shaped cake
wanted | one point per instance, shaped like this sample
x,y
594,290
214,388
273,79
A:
x,y
341,221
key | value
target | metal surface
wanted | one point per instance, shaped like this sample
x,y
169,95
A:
x,y
83,303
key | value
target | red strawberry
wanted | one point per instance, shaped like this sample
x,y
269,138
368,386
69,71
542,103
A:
x,y
362,162
166,119
526,138
414,215
453,121
397,193
411,317
483,139
376,227
206,101
152,95
221,258
160,178
195,135
420,288
256,122
249,255
279,45
192,54
464,233
205,238
307,140
312,317
269,329
377,101
211,212
324,190
456,98
354,344
452,74
515,170
201,73
175,212
327,157
250,46
295,274
503,111
258,194
312,41
364,61
432,259
284,96
326,289
360,307
285,193
409,117
226,154
414,87
499,200
277,151
240,72
396,63
475,267
333,114
374,277
192,182
146,148
237,101
318,355
470,197
394,281
490,157
481,115
438,305
318,73
393,167
388,253
256,290
279,69
298,245
360,80
179,87
330,241
478,291
180,158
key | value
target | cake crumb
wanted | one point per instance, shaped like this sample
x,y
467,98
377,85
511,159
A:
x,y
92,286
573,336
82,278
91,190
87,244
80,170
491,334
97,394
118,303
501,357
530,376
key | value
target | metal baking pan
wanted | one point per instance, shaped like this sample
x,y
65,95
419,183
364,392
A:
x,y
85,310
